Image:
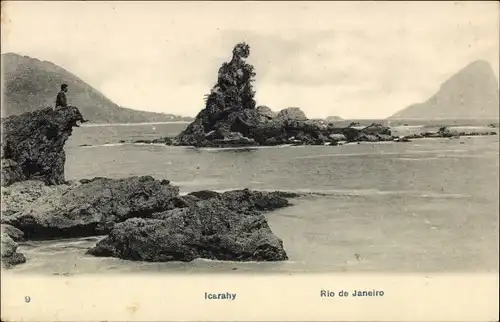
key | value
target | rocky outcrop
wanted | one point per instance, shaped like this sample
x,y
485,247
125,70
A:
x,y
292,114
37,203
12,232
21,195
93,207
209,229
248,200
33,145
445,132
231,119
231,94
10,256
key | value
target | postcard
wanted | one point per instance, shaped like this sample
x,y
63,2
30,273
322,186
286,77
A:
x,y
250,161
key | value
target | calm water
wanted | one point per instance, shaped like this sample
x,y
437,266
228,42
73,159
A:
x,y
428,205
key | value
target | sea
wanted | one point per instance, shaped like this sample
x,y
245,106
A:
x,y
430,205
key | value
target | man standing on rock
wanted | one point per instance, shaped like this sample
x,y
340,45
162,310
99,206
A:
x,y
61,100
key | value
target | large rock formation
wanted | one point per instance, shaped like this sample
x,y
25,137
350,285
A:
x,y
33,145
209,229
470,94
21,195
93,207
37,203
231,119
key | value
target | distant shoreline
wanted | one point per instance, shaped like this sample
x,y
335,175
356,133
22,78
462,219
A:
x,y
132,124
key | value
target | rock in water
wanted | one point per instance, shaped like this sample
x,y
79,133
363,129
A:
x,y
21,195
230,117
10,256
231,94
92,208
209,229
12,232
34,144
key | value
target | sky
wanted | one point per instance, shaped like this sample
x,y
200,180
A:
x,y
350,59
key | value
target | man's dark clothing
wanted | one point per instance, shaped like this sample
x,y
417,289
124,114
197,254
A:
x,y
61,100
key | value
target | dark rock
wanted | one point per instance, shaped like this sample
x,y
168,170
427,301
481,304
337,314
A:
x,y
444,132
230,118
232,93
209,229
183,202
92,208
248,200
35,142
375,128
204,194
10,256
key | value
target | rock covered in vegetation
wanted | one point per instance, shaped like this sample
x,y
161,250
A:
x,y
232,93
33,143
209,229
230,118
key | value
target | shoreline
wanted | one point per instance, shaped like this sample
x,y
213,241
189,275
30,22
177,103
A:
x,y
132,124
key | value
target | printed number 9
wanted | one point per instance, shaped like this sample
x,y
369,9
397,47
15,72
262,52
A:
x,y
27,299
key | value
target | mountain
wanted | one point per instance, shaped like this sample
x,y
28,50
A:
x,y
471,93
29,84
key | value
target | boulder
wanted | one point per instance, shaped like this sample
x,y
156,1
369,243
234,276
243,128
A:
x,y
33,143
12,232
9,254
93,208
376,128
209,229
292,114
266,111
248,200
21,195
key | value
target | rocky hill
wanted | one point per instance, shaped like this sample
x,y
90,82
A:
x,y
471,93
29,84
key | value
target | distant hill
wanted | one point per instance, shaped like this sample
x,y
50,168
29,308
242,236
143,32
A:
x,y
31,84
333,118
470,94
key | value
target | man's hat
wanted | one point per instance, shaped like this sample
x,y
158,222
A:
x,y
64,86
